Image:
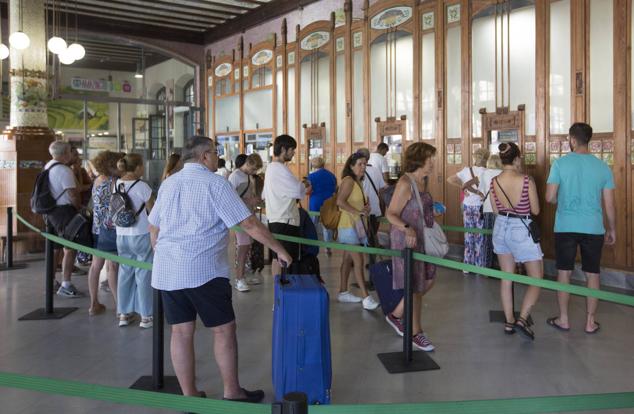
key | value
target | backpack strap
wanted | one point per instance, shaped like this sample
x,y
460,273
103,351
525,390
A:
x,y
123,190
372,182
248,184
49,169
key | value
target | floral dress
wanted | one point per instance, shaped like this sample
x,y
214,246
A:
x,y
101,205
411,215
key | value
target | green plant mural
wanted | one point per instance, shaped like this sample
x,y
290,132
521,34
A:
x,y
69,114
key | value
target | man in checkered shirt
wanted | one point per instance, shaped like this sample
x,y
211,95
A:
x,y
190,230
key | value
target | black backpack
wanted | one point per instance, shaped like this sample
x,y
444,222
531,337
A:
x,y
121,210
42,201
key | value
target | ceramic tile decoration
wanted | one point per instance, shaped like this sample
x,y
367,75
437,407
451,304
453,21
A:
x,y
565,146
391,17
595,146
291,58
453,13
458,158
236,74
608,159
450,149
278,61
530,147
357,39
245,71
555,147
458,148
339,44
428,20
608,145
530,159
210,81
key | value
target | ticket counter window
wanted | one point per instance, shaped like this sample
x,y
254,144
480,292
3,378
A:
x,y
228,148
259,143
394,155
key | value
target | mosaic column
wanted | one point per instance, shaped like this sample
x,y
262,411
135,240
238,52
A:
x,y
24,144
28,66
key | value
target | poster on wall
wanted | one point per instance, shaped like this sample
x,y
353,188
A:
x,y
69,114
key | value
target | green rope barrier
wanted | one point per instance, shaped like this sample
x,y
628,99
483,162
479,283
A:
x,y
584,402
451,264
444,227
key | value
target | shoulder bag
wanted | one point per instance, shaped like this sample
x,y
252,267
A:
x,y
436,243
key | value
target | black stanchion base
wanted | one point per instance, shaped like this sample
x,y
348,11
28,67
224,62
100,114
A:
x,y
146,383
16,266
394,362
41,314
496,316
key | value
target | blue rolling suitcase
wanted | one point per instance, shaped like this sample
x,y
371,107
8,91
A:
x,y
301,338
381,276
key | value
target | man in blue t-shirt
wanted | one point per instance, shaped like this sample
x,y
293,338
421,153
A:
x,y
324,185
578,183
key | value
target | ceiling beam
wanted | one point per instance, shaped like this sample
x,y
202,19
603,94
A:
x,y
172,7
201,5
255,17
135,16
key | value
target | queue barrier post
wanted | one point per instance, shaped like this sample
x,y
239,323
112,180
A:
x,y
49,311
292,403
158,381
407,360
9,265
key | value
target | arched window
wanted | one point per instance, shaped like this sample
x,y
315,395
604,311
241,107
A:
x,y
160,96
188,93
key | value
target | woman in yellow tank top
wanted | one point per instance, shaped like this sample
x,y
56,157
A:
x,y
351,229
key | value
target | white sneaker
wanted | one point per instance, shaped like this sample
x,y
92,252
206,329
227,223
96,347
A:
x,y
347,297
254,280
369,303
146,322
241,285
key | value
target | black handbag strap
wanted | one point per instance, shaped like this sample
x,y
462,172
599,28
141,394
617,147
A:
x,y
372,183
511,204
248,184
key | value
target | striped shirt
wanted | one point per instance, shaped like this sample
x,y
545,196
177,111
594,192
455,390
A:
x,y
194,210
522,208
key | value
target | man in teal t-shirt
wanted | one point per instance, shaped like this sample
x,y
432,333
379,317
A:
x,y
578,183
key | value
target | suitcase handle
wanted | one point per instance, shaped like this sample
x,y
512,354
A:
x,y
283,279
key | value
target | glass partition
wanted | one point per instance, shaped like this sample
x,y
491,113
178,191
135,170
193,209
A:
x,y
428,95
483,61
454,89
341,98
259,143
279,83
262,76
560,67
228,148
522,43
601,65
358,117
290,98
228,114
258,109
322,100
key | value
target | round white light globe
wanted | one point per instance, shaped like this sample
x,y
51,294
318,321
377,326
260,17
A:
x,y
56,45
4,51
77,51
66,57
19,40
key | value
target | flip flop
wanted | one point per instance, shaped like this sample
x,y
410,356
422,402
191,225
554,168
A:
x,y
553,322
595,330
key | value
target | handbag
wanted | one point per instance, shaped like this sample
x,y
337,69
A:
x,y
436,243
533,228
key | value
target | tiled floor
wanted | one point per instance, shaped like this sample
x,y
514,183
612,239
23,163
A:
x,y
477,360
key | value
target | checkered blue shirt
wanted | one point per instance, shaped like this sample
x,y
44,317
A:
x,y
194,210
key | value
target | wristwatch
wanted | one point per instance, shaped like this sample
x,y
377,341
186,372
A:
x,y
406,226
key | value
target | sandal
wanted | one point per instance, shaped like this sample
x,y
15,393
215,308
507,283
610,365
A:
x,y
553,322
509,328
523,328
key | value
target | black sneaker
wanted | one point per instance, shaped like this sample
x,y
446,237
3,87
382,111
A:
x,y
251,396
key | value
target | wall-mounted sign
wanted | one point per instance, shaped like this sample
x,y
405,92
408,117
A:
x,y
223,69
391,18
100,85
263,57
315,40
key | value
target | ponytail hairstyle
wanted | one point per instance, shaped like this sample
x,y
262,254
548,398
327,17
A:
x,y
129,163
509,151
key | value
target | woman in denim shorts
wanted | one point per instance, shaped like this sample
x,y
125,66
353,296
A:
x,y
514,199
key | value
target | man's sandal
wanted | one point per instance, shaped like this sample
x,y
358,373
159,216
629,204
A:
x,y
521,325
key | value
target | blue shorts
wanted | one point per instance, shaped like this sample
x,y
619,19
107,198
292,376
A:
x,y
349,236
510,236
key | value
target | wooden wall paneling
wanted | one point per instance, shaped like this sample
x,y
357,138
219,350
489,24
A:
x,y
295,163
439,50
358,26
240,65
629,161
579,77
417,60
621,159
331,146
465,52
368,123
346,147
284,77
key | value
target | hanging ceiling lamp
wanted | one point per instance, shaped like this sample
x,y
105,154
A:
x,y
67,57
140,67
56,44
76,50
19,40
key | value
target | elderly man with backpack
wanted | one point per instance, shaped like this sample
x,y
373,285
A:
x,y
56,197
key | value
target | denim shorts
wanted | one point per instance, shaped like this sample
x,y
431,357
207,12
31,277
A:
x,y
510,236
349,236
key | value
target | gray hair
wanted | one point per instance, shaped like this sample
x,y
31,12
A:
x,y
317,162
58,148
480,157
365,152
195,147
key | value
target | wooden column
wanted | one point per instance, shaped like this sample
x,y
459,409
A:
x,y
439,51
465,64
416,84
579,27
347,7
